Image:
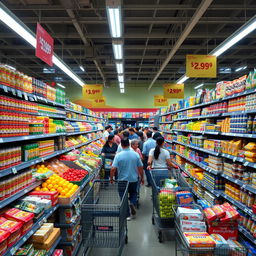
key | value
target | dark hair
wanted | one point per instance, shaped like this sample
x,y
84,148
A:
x,y
155,129
146,128
115,132
149,134
120,130
107,127
110,137
159,142
125,142
131,130
126,134
140,134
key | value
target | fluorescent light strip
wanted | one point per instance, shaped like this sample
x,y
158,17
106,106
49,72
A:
x,y
82,68
242,32
182,79
114,15
121,78
241,68
198,86
60,85
118,51
120,68
121,85
122,90
30,38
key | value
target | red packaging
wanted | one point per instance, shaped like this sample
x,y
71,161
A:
x,y
231,213
219,211
228,232
254,208
3,240
14,229
50,195
210,214
58,252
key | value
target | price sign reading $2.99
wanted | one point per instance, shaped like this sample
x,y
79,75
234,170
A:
x,y
201,66
44,45
174,91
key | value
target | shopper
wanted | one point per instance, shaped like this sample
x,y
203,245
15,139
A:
x,y
159,158
147,146
135,147
156,133
110,146
141,140
117,139
106,132
133,135
111,130
125,135
129,167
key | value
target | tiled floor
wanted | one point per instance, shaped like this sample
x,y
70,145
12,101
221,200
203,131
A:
x,y
142,234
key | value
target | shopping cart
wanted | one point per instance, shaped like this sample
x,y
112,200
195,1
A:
x,y
104,212
162,223
107,159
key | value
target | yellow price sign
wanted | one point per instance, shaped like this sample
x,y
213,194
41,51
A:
x,y
92,91
99,102
160,101
201,66
174,91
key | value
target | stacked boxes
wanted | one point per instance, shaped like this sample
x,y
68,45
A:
x,y
213,181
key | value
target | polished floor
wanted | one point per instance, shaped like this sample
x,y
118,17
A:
x,y
142,234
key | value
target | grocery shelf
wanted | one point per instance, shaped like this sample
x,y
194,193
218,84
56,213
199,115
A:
x,y
247,234
28,96
30,137
239,159
198,117
247,92
170,132
35,227
19,194
169,141
204,167
82,120
71,243
84,132
168,122
243,135
82,113
50,252
76,251
198,148
200,132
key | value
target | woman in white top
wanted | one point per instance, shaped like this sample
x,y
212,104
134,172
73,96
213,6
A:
x,y
159,158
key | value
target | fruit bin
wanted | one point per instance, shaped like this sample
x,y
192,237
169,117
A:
x,y
68,200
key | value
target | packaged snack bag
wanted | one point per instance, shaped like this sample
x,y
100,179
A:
x,y
199,240
210,214
219,211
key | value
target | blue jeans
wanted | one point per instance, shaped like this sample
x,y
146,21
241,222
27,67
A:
x,y
147,172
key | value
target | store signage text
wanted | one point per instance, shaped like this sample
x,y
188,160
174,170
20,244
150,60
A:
x,y
174,91
160,100
201,66
92,91
44,45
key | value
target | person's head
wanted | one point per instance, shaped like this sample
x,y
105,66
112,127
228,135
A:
x,y
159,145
155,129
131,131
126,134
115,132
134,144
125,143
117,128
137,129
111,128
149,134
108,128
120,130
146,130
140,134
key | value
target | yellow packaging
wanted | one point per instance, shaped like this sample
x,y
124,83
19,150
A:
x,y
251,146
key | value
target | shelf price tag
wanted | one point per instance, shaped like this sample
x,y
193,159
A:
x,y
5,88
19,94
14,171
14,92
201,65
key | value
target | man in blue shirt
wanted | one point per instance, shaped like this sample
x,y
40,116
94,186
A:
x,y
129,167
148,144
133,135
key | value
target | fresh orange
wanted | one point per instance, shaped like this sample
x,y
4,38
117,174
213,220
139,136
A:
x,y
56,186
45,189
50,186
44,185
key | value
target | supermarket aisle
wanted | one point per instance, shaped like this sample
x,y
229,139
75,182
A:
x,y
142,234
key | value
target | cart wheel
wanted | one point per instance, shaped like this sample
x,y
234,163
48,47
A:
x,y
153,220
126,239
160,236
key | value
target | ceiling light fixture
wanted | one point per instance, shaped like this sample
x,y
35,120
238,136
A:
x,y
119,67
82,68
182,79
114,17
120,78
16,25
118,50
60,85
239,34
122,90
241,68
121,85
198,86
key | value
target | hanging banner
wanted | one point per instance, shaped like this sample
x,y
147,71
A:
x,y
201,66
44,45
174,91
92,91
160,101
96,103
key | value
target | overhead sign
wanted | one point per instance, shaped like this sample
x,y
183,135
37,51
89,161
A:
x,y
160,101
174,91
92,91
96,103
44,45
201,66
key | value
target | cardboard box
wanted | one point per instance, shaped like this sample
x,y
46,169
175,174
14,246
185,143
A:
x,y
50,240
50,195
42,234
226,232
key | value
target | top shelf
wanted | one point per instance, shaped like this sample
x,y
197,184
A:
x,y
82,113
247,92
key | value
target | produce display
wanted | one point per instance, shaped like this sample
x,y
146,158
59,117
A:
x,y
74,175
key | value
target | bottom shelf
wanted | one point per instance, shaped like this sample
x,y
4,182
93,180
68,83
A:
x,y
50,252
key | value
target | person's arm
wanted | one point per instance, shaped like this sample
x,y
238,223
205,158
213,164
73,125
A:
x,y
112,173
168,160
140,170
150,159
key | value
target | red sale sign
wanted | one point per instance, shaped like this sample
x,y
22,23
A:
x,y
44,45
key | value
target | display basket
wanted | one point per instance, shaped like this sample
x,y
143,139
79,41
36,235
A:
x,y
104,213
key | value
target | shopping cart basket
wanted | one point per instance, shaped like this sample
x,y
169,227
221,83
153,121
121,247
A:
x,y
107,164
162,223
104,213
